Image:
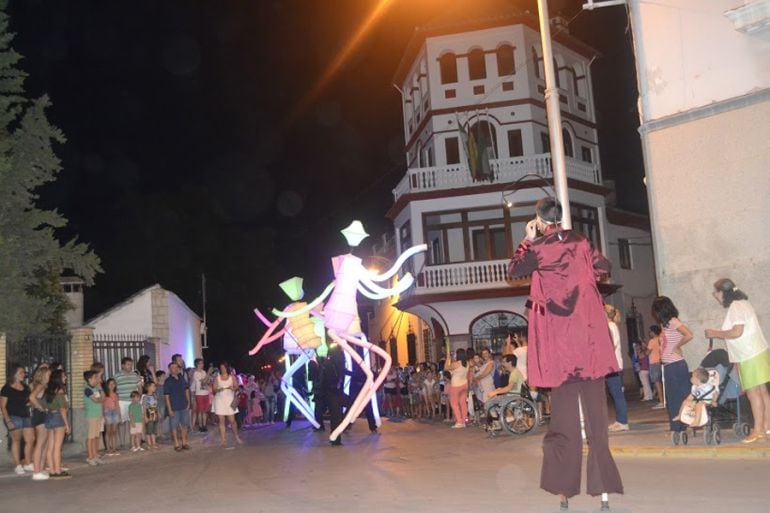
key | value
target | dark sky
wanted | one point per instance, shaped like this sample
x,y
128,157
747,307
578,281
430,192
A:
x,y
180,158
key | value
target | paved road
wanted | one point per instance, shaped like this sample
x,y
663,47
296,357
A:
x,y
410,467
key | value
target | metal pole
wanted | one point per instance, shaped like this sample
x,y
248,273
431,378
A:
x,y
205,326
553,111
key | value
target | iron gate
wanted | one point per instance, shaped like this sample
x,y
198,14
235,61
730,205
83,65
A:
x,y
109,349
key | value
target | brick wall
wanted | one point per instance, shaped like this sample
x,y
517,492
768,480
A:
x,y
3,363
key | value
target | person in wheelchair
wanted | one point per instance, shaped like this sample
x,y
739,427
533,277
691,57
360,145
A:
x,y
496,397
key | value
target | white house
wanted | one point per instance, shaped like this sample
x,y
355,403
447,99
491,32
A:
x,y
704,86
478,74
155,315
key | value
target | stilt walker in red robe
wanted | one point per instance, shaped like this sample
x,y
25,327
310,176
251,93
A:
x,y
570,351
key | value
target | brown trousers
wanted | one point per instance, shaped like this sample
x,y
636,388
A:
x,y
563,444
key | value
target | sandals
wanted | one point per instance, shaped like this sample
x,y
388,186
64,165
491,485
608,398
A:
x,y
178,449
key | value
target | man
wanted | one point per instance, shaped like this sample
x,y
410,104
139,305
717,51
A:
x,y
569,351
200,387
332,374
126,381
177,397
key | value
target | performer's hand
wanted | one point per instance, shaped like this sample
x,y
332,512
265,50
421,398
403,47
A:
x,y
531,230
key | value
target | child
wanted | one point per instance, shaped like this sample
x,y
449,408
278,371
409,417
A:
x,y
255,409
136,419
243,406
56,421
111,410
150,408
92,400
445,396
693,409
163,427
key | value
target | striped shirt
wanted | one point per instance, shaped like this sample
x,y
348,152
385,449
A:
x,y
127,382
669,338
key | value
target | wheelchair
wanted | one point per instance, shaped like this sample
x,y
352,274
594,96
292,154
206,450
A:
x,y
516,414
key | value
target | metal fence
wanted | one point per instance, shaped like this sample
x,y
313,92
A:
x,y
109,349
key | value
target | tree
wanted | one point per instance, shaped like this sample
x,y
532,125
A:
x,y
31,257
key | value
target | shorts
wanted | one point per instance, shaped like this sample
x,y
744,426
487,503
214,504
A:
x,y
111,417
54,419
390,391
151,428
181,419
124,410
94,427
203,403
19,422
656,373
137,428
38,418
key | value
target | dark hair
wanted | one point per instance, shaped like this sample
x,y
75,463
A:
x,y
55,385
548,210
510,358
125,360
159,373
729,291
147,386
141,364
227,366
87,375
175,356
663,310
107,386
135,394
13,370
462,357
195,362
97,366
447,375
655,329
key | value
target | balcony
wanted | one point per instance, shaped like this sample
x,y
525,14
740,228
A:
x,y
457,176
462,277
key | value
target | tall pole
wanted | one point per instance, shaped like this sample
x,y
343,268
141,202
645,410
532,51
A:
x,y
553,111
205,326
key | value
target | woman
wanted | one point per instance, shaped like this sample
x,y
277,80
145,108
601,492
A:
x,y
390,387
56,421
458,390
37,389
676,376
145,369
484,376
225,387
746,346
14,404
615,379
429,389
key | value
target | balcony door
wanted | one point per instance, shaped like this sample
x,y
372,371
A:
x,y
491,329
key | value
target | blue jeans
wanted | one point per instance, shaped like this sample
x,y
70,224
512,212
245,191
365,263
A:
x,y
615,386
270,410
676,382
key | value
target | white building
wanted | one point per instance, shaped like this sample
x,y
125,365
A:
x,y
482,69
155,315
704,85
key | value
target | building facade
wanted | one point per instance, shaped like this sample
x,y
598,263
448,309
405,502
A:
x,y
478,157
704,86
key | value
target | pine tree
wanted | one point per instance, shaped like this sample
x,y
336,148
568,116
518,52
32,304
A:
x,y
31,257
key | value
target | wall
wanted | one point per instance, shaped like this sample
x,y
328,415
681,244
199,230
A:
x,y
184,332
133,318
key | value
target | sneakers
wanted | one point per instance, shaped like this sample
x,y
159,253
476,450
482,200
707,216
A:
x,y
617,426
92,462
458,426
659,406
63,475
29,468
39,476
19,470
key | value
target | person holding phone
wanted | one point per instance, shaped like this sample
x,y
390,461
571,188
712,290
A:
x,y
569,351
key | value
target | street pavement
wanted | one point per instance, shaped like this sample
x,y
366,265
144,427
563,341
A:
x,y
412,466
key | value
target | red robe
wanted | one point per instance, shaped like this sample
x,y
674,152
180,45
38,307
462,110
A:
x,y
569,338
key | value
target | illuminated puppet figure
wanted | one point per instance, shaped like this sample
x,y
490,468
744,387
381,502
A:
x,y
340,314
300,338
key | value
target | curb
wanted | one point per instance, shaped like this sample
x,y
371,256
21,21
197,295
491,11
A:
x,y
694,452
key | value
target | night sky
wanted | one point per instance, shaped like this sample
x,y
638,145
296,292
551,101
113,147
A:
x,y
183,156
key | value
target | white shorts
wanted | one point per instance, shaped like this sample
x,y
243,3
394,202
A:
x,y
124,410
137,428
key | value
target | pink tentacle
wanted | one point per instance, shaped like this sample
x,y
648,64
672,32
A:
x,y
380,376
349,417
268,338
262,318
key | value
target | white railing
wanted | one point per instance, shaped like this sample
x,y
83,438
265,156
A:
x,y
466,276
503,170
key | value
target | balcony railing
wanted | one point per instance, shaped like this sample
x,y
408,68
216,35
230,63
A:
x,y
458,176
465,276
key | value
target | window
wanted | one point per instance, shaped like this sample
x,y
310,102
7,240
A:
x,y
515,145
448,65
568,149
430,158
556,72
624,251
452,148
467,235
489,243
505,62
405,240
545,142
585,220
536,63
586,154
477,66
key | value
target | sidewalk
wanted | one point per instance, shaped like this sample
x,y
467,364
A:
x,y
650,437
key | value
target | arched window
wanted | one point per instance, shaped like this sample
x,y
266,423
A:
x,y
492,328
536,63
505,62
448,65
477,66
569,150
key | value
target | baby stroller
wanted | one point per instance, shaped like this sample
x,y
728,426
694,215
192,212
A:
x,y
726,410
517,414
